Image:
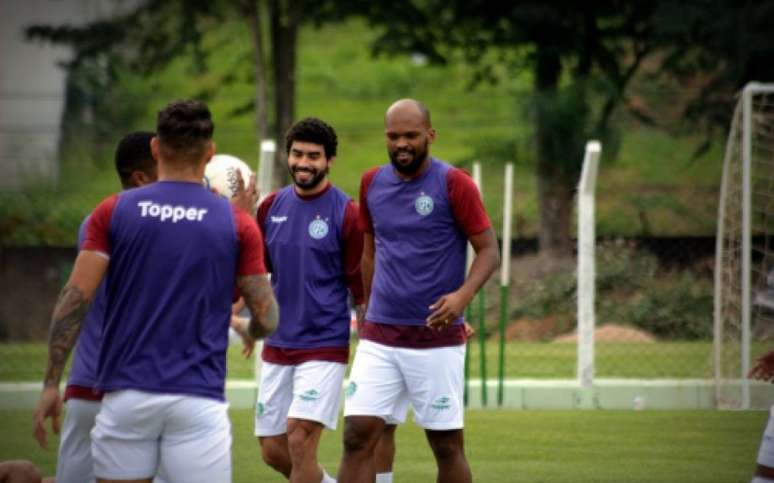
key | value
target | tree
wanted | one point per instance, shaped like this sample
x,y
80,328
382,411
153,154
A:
x,y
583,56
577,53
156,31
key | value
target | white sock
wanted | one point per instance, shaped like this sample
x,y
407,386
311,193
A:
x,y
757,479
384,477
327,478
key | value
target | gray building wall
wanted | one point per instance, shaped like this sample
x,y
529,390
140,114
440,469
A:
x,y
32,87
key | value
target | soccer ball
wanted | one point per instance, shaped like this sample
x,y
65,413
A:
x,y
220,174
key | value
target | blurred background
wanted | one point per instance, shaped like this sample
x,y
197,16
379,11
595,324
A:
x,y
523,82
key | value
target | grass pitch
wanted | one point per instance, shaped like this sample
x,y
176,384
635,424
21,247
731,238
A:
x,y
521,446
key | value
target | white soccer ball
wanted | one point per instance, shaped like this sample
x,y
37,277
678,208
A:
x,y
220,174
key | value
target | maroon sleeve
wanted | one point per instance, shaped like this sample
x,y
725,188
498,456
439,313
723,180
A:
x,y
98,230
366,225
352,239
260,217
466,203
250,245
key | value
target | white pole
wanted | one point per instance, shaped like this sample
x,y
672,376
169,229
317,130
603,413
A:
x,y
746,238
586,264
505,259
266,167
718,332
265,174
477,181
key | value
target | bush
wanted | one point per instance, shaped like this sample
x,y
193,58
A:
x,y
631,290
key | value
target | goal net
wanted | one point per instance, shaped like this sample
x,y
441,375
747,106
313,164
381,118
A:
x,y
744,270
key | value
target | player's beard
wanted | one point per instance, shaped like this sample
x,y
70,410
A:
x,y
311,183
413,166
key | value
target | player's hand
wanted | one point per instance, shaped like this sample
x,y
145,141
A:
x,y
446,310
763,368
49,405
246,197
469,331
240,324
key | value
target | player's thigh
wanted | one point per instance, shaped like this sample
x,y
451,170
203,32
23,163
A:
x,y
74,463
317,392
125,438
376,385
196,441
435,384
275,394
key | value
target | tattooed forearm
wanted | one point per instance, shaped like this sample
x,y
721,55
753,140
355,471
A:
x,y
69,312
259,299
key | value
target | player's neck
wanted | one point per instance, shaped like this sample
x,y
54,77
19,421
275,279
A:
x,y
177,172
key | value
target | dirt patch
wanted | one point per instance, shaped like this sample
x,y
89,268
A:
x,y
534,330
612,333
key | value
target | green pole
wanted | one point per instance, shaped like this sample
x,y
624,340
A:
x,y
482,345
501,362
468,319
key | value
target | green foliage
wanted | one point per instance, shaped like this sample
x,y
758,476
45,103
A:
x,y
675,307
631,290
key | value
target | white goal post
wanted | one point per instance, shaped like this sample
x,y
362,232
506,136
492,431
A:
x,y
744,262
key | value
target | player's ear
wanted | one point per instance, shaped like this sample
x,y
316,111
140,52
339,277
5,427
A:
x,y
155,147
431,135
140,178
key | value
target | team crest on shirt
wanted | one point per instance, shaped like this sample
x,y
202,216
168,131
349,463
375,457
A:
x,y
259,409
424,205
318,228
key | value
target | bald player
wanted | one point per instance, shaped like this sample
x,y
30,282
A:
x,y
417,214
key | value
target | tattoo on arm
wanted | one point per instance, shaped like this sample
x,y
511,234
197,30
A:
x,y
259,299
69,312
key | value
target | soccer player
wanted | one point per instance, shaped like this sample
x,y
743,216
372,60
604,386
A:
x,y
135,167
417,213
764,473
171,253
313,251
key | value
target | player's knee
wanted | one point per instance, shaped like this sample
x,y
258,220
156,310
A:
x,y
273,455
446,445
358,437
299,442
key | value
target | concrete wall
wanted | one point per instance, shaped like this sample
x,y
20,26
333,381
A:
x,y
32,86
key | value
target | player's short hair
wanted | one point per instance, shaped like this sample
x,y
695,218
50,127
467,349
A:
x,y
313,130
133,153
184,129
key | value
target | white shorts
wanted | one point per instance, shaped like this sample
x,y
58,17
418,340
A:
x,y
382,378
310,391
766,451
138,434
74,463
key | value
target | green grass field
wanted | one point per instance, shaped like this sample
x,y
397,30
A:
x,y
692,360
522,446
